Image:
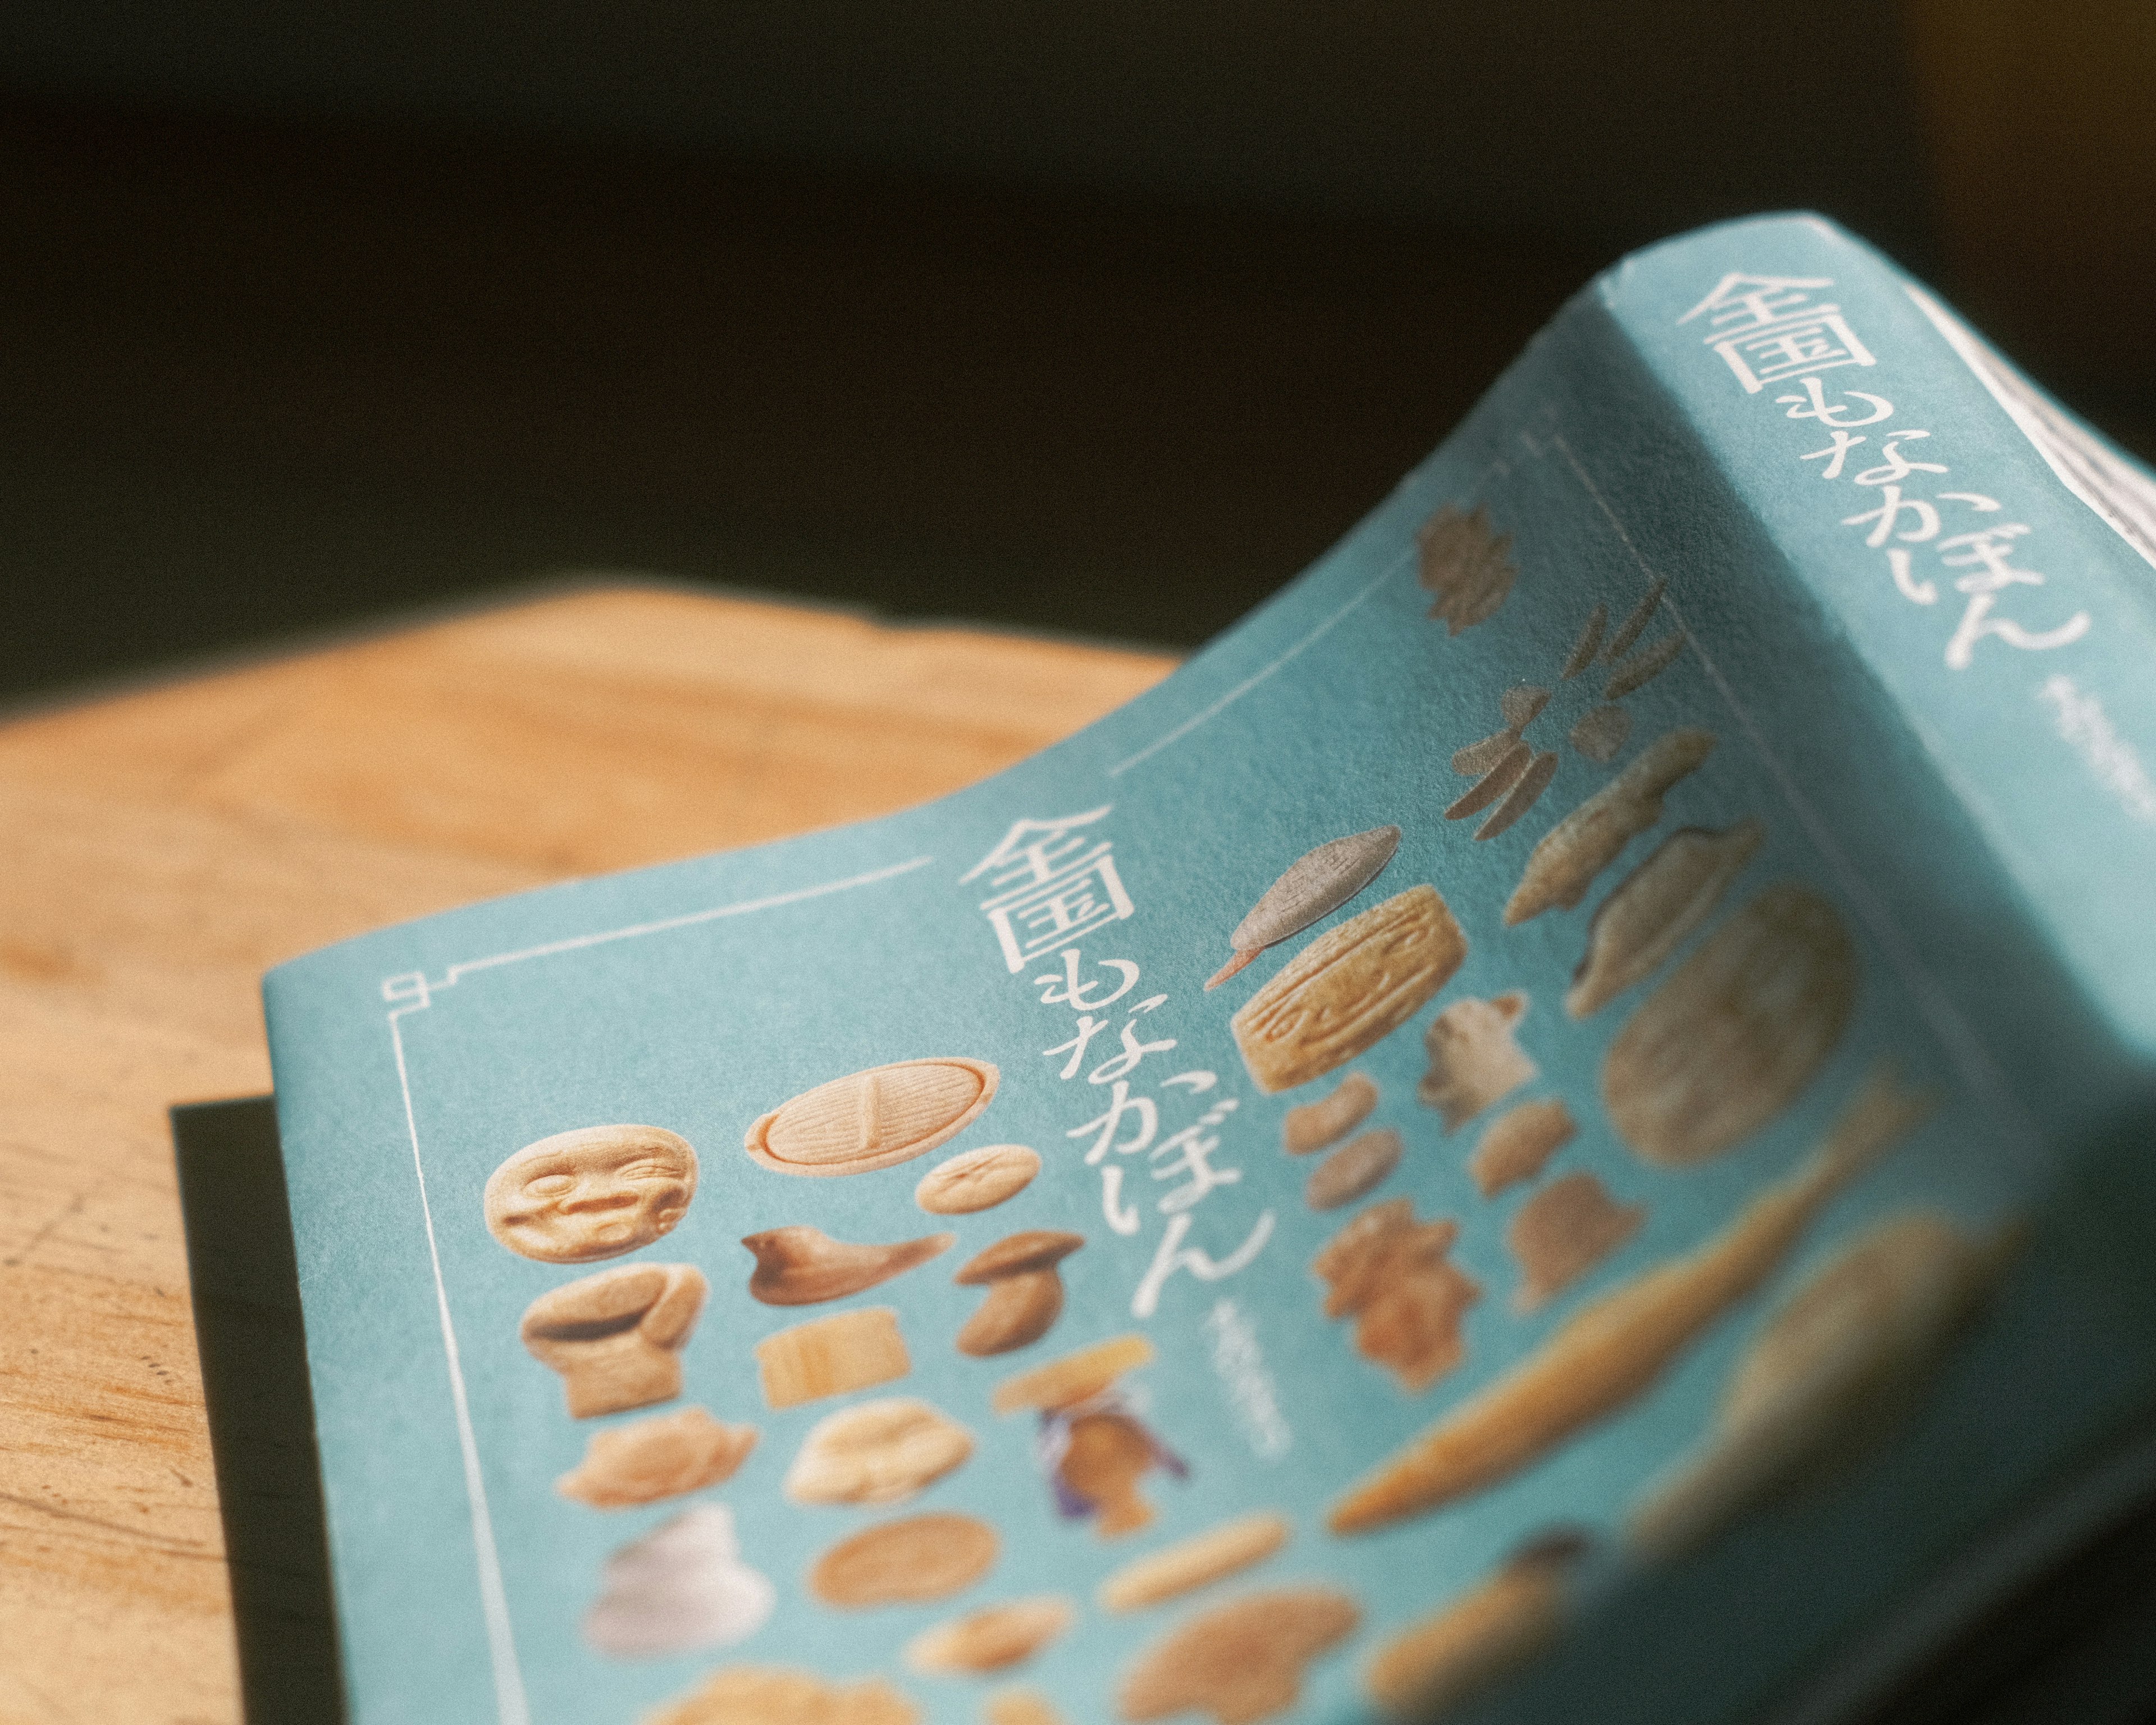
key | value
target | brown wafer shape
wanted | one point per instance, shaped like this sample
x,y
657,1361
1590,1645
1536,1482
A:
x,y
1436,1663
616,1337
1191,1563
908,1561
1734,1033
1239,1663
1576,849
872,1119
1652,910
1562,1232
666,1455
774,1695
832,1356
1617,1346
993,1638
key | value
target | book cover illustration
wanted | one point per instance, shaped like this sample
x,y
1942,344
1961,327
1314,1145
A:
x,y
1420,1165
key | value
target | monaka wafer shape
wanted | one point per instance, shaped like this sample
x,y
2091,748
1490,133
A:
x,y
993,1638
1349,988
1191,1563
978,1179
1576,849
594,1192
1731,1037
1842,1359
877,1452
1474,1060
778,1695
616,1337
1615,1347
832,1356
1239,1663
1515,1146
1025,1292
1356,1168
1465,564
1562,1232
665,1455
1649,913
872,1119
1457,1652
1315,885
1390,1273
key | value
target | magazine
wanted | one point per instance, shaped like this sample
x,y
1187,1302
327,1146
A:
x,y
1555,1127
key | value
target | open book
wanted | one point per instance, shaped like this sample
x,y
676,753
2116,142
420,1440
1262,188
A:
x,y
1557,1126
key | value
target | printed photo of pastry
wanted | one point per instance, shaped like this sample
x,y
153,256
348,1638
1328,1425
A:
x,y
995,1639
1239,1663
617,1338
1425,1670
1091,1441
873,1119
1024,1291
1466,565
1617,1346
1314,885
913,1561
879,1452
1192,1564
976,1180
775,1695
1348,989
594,1192
1392,1275
801,1265
680,1588
664,1456
832,1356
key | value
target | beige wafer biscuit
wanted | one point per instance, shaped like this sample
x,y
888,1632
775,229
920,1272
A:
x,y
802,1266
1389,1273
666,1455
1191,1563
1026,1293
992,1640
1617,1346
1348,989
1434,1665
1473,1059
1735,1032
1576,849
1357,1167
1314,1124
1239,1663
1516,1145
1562,1232
616,1337
909,1561
1075,1377
594,1192
977,1180
1653,908
877,1452
1844,1357
1601,732
773,1695
832,1356
1020,1707
873,1119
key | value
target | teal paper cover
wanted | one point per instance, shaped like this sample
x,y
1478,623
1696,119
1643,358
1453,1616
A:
x,y
1789,981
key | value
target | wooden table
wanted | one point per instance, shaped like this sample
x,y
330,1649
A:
x,y
160,850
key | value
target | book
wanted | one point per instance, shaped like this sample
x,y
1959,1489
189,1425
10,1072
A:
x,y
1556,1126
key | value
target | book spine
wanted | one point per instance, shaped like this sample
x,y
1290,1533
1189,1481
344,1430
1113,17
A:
x,y
1925,597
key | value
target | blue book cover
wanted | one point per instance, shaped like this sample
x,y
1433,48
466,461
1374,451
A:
x,y
1557,1126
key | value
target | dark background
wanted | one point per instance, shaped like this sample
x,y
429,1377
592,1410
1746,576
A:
x,y
1098,319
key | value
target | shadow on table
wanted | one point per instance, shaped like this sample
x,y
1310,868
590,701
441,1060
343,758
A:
x,y
261,1415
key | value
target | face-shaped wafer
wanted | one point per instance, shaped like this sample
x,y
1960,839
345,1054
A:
x,y
616,1337
594,1192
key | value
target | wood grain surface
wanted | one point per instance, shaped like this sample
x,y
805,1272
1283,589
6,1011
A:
x,y
159,851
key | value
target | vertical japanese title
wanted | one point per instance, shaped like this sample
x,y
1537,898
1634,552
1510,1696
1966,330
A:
x,y
1052,885
1769,331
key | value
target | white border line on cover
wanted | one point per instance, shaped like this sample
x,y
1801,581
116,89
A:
x,y
416,993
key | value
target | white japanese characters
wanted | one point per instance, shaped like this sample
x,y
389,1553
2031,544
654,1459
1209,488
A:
x,y
1768,330
1053,883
